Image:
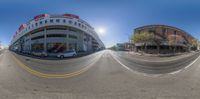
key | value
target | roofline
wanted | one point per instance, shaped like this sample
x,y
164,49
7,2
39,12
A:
x,y
165,26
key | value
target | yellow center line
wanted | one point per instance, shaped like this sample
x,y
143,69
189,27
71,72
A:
x,y
44,75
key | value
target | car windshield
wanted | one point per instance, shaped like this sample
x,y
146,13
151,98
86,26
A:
x,y
100,49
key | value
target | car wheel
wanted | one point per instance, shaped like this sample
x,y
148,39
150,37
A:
x,y
74,55
61,56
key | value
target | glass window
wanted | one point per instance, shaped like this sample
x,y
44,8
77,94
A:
x,y
70,22
51,21
58,20
73,36
45,21
37,47
56,47
38,37
79,24
56,35
75,23
64,21
40,22
36,24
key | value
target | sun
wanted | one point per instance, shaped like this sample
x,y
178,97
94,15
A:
x,y
101,31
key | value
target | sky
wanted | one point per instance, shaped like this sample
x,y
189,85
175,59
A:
x,y
118,18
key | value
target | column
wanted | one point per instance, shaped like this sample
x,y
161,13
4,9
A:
x,y
45,40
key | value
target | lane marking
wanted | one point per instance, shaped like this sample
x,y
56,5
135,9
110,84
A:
x,y
155,60
186,66
153,75
133,71
44,75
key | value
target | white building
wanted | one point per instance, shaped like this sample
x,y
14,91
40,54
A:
x,y
56,33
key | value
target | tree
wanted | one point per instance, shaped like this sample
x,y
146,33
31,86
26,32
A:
x,y
194,44
143,37
172,42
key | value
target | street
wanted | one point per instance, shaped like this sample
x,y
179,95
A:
x,y
102,75
156,65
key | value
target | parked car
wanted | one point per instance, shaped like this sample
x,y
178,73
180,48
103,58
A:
x,y
70,53
39,53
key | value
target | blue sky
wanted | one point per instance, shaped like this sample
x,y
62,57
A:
x,y
118,17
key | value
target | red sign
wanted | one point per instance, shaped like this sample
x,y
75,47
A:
x,y
72,16
21,27
36,18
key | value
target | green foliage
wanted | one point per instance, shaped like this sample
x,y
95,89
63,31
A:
x,y
194,43
142,37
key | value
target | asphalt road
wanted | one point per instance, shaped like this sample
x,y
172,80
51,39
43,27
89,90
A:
x,y
155,65
107,77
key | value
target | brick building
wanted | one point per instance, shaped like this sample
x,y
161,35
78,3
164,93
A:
x,y
166,39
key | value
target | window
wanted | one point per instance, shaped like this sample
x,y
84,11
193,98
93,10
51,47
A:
x,y
38,31
40,22
37,47
79,24
175,32
71,29
36,24
75,23
56,28
45,21
73,36
38,37
51,21
56,35
58,20
64,21
56,47
70,22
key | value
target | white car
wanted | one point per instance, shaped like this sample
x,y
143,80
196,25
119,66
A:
x,y
70,53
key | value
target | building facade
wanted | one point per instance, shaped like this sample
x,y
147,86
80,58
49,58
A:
x,y
164,39
55,34
124,46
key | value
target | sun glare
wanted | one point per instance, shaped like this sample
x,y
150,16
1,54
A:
x,y
101,31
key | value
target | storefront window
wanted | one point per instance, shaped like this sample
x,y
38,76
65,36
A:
x,y
37,47
56,47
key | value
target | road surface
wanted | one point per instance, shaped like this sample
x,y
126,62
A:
x,y
107,77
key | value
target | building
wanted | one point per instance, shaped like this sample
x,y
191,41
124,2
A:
x,y
55,34
124,46
164,39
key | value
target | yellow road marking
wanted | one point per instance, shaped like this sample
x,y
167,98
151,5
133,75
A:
x,y
44,75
